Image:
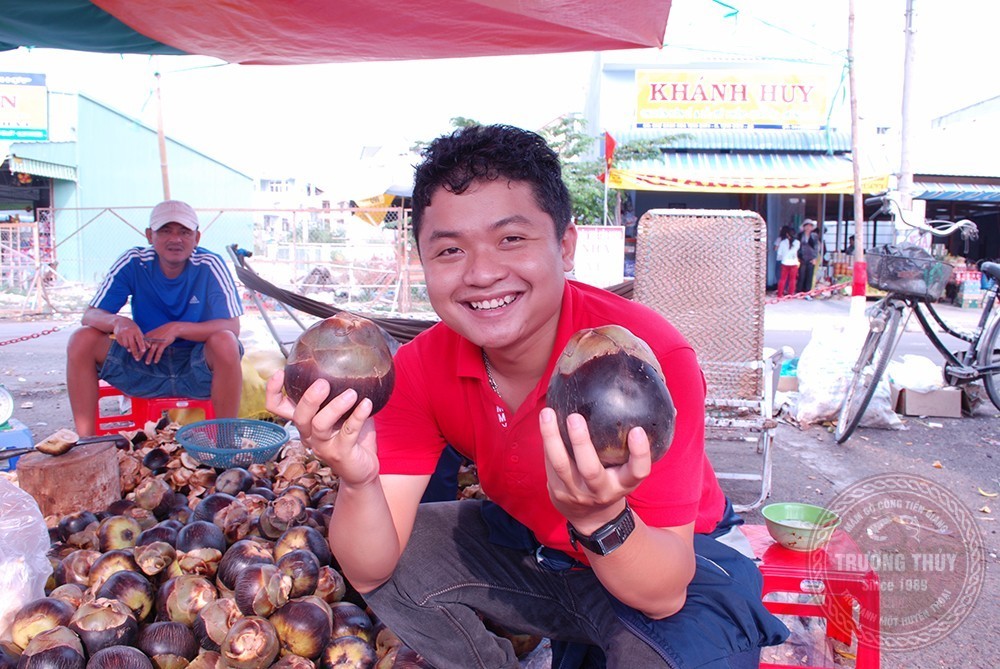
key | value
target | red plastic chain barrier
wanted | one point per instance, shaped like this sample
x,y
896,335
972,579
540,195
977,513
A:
x,y
815,291
34,335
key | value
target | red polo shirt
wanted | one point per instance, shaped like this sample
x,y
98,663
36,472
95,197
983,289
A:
x,y
442,396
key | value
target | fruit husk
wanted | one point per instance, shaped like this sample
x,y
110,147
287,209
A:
x,y
612,378
346,350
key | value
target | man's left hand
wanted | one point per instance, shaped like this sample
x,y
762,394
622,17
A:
x,y
158,340
583,490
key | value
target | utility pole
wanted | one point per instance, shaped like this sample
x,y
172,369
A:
x,y
906,127
162,139
859,284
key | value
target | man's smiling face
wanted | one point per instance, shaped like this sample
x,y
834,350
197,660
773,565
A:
x,y
495,271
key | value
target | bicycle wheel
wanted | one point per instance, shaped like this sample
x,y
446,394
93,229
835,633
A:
x,y
989,354
868,370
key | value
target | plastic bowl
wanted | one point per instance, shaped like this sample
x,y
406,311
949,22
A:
x,y
800,527
232,442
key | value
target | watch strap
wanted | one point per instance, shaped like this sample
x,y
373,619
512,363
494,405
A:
x,y
607,538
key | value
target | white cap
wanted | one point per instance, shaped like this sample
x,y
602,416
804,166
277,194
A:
x,y
173,211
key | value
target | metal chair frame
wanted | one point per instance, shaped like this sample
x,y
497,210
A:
x,y
705,272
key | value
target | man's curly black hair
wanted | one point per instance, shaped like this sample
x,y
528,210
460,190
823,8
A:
x,y
486,153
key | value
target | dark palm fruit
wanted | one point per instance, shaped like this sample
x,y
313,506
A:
x,y
103,623
116,532
9,654
200,534
292,661
181,598
214,622
200,561
303,628
109,563
261,589
120,507
154,494
351,620
75,567
407,658
212,504
119,657
302,567
346,350
153,558
37,616
281,513
331,586
611,378
71,593
171,645
131,589
207,659
348,651
241,555
159,532
251,643
233,481
298,491
303,536
156,460
75,522
57,648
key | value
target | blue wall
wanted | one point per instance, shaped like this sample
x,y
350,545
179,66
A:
x,y
120,180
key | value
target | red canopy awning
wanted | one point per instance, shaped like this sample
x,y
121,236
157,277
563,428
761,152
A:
x,y
325,31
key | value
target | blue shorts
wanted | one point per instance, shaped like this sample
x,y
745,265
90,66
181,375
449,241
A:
x,y
181,372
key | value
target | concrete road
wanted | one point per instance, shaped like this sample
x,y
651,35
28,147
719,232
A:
x,y
961,455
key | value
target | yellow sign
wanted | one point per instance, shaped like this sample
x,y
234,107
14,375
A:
x,y
731,99
24,107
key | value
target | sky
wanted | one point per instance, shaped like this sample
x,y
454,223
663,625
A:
x,y
314,121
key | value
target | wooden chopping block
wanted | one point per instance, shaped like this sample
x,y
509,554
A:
x,y
85,478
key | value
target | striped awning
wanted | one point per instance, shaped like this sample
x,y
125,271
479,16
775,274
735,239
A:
x,y
959,192
41,168
710,172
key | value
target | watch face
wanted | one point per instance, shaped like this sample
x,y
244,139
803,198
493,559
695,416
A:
x,y
6,405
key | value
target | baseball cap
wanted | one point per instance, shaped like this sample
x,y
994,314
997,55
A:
x,y
173,211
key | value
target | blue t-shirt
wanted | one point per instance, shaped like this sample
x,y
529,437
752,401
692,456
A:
x,y
203,291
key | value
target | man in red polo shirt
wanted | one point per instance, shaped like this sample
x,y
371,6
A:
x,y
629,562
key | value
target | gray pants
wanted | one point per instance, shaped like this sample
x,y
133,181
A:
x,y
450,573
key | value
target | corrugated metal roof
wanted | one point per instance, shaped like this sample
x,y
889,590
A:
x,y
40,168
703,139
957,192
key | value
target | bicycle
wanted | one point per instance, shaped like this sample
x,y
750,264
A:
x,y
914,293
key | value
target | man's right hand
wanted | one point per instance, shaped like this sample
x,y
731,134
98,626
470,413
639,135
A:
x,y
128,334
348,449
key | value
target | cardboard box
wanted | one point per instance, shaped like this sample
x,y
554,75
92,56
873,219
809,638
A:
x,y
943,403
788,384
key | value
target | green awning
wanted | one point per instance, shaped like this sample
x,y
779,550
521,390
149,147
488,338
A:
x,y
41,168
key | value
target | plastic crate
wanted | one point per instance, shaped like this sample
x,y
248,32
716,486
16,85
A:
x,y
923,278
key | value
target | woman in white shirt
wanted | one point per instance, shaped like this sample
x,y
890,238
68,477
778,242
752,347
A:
x,y
788,255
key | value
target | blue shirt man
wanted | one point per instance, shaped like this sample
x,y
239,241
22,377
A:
x,y
182,337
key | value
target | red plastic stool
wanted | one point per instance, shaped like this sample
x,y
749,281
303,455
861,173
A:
x,y
839,582
141,410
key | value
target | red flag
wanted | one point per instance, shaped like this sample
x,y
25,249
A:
x,y
609,150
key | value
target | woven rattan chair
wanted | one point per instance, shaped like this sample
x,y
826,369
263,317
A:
x,y
704,271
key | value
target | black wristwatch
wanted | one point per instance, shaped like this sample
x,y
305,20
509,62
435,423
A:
x,y
608,537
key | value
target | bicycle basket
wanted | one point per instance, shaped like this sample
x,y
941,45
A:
x,y
909,270
232,442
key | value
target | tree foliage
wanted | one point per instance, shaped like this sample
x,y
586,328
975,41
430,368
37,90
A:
x,y
567,135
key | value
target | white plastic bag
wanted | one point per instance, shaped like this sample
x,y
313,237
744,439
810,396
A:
x,y
917,373
24,543
824,372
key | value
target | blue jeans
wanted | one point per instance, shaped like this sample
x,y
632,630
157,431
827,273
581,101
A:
x,y
453,570
181,372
